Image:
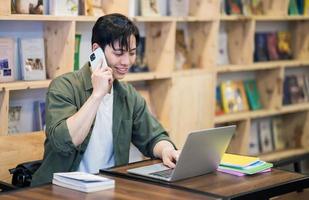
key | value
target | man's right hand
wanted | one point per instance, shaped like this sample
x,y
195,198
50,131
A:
x,y
102,80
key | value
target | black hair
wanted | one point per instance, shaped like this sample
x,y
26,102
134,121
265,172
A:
x,y
114,27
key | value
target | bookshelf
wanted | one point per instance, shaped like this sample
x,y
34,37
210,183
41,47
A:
x,y
184,100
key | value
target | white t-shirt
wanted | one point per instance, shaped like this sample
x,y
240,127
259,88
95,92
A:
x,y
99,153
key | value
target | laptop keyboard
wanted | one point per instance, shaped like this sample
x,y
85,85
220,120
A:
x,y
164,173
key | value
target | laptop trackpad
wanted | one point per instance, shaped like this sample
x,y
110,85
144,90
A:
x,y
149,169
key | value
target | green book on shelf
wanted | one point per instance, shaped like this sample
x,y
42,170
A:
x,y
76,51
253,94
293,10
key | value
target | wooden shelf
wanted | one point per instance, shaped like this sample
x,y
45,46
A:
x,y
263,18
170,19
191,72
261,66
144,76
284,154
21,85
260,113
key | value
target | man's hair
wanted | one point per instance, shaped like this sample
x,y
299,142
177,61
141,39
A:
x,y
114,27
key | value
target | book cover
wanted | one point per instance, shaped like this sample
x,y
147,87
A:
x,y
149,8
293,9
238,161
7,60
63,8
32,59
286,94
241,98
82,181
179,7
219,108
260,49
223,56
14,119
233,7
296,94
28,7
39,112
271,40
265,135
306,7
77,51
254,139
300,6
253,94
302,88
284,45
252,169
278,133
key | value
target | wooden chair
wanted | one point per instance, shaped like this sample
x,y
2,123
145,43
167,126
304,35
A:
x,y
19,148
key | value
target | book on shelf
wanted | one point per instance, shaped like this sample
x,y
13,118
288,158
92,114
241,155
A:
x,y
178,7
219,108
14,124
293,9
32,59
141,64
39,112
233,96
300,6
292,90
253,94
306,7
149,8
27,6
265,135
278,133
77,51
223,56
284,45
254,139
271,43
233,7
7,59
63,8
82,181
260,49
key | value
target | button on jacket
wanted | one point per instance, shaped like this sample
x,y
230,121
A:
x,y
131,122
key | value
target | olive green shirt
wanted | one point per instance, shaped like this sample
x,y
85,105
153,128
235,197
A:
x,y
132,122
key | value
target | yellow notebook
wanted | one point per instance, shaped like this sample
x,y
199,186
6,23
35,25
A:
x,y
234,160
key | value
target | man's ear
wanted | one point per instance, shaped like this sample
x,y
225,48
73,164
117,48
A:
x,y
95,46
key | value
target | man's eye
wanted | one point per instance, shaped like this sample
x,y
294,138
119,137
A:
x,y
133,53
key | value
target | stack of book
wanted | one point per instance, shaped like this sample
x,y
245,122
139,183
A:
x,y
243,165
82,181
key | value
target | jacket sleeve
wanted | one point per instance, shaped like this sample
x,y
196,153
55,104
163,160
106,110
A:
x,y
59,107
146,131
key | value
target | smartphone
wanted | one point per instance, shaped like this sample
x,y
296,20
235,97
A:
x,y
95,59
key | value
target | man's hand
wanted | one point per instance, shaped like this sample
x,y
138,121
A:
x,y
166,151
102,80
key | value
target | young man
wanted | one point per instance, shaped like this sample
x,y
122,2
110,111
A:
x,y
91,117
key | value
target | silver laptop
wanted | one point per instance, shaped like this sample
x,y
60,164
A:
x,y
201,154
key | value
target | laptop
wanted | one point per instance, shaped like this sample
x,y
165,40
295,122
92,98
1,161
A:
x,y
201,154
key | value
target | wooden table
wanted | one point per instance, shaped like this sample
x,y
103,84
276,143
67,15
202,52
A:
x,y
226,186
124,189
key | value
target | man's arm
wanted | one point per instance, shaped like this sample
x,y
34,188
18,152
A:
x,y
79,124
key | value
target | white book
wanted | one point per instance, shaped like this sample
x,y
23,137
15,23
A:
x,y
265,132
82,181
254,140
7,64
32,59
179,8
63,8
223,57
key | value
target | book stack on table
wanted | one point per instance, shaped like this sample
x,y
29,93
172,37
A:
x,y
240,165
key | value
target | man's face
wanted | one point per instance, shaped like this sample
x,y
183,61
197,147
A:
x,y
120,59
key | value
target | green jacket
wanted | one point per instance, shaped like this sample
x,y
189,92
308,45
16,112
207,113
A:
x,y
131,122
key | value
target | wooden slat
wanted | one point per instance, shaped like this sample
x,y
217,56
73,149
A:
x,y
284,154
198,7
5,8
21,85
144,76
261,113
16,149
240,141
4,111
